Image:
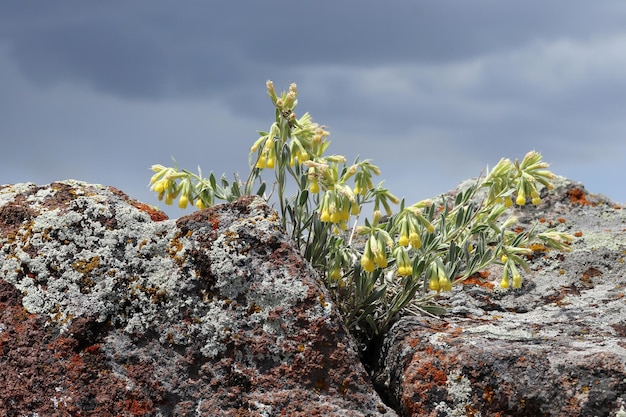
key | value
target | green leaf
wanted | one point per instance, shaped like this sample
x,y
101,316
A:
x,y
304,197
375,296
213,181
261,189
236,190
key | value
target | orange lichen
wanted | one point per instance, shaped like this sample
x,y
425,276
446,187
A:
x,y
86,266
577,196
322,298
538,247
488,393
479,279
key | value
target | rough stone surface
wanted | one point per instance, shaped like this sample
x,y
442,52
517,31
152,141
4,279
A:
x,y
107,308
555,347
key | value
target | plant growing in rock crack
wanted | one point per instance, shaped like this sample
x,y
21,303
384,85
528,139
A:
x,y
393,263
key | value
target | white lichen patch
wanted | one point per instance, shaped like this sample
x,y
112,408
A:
x,y
459,392
253,277
90,253
68,264
500,332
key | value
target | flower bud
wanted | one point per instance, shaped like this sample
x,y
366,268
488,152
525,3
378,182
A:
x,y
270,90
504,283
505,279
521,198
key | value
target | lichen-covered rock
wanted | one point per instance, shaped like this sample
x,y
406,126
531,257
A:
x,y
107,308
555,347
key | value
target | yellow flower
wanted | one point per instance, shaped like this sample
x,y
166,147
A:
x,y
345,213
261,163
303,156
504,283
403,240
517,281
414,239
315,187
505,279
381,259
160,185
200,204
521,198
169,199
325,216
375,248
182,203
270,162
508,201
433,284
403,261
405,271
367,263
444,283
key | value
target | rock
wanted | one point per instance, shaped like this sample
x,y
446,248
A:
x,y
108,308
555,347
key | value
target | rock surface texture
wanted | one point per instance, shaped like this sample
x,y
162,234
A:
x,y
107,308
555,347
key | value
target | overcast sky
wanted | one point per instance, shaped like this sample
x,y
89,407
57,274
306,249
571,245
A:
x,y
432,91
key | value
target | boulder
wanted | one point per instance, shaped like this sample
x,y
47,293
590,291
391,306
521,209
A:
x,y
555,347
108,308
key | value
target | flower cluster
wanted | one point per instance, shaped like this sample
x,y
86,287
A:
x,y
409,224
379,242
520,177
403,259
164,183
438,279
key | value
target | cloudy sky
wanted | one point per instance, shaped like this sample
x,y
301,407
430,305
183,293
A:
x,y
433,91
